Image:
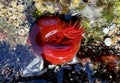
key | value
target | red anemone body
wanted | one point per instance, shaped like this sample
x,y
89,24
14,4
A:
x,y
54,39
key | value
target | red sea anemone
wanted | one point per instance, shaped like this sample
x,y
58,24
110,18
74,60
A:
x,y
56,40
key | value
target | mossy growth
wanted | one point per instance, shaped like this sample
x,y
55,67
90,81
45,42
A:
x,y
36,13
111,11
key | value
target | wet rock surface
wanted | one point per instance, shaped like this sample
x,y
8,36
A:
x,y
98,59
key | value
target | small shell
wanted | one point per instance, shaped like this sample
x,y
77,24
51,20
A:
x,y
105,30
112,26
108,41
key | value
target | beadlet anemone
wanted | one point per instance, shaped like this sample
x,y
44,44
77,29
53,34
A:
x,y
56,39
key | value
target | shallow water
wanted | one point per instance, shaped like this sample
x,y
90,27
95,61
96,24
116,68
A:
x,y
16,19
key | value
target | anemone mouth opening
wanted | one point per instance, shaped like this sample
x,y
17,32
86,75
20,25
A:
x,y
69,35
59,46
62,35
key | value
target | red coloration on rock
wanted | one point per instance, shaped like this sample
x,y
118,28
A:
x,y
111,61
56,40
